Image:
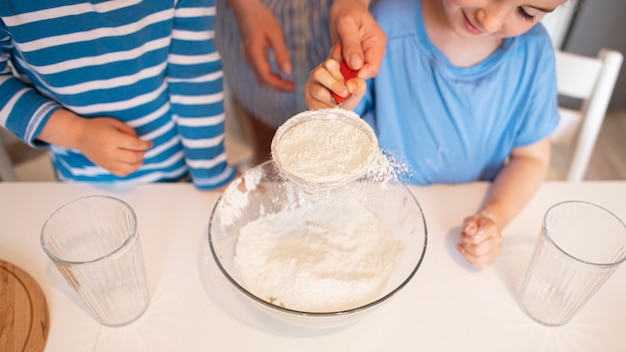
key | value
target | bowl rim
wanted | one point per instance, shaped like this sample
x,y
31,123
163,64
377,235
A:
x,y
271,306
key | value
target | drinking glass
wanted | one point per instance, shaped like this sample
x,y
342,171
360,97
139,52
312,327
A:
x,y
93,242
580,245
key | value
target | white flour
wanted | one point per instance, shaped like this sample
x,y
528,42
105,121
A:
x,y
327,147
236,198
326,252
318,258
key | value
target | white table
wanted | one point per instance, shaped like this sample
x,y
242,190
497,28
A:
x,y
447,306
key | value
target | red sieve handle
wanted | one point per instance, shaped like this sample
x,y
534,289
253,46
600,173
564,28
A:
x,y
347,74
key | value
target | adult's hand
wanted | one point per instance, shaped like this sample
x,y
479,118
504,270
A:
x,y
363,41
260,32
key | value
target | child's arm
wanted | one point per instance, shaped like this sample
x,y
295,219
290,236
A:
x,y
23,111
327,78
515,185
106,141
32,117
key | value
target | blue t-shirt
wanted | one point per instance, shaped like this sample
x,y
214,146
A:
x,y
457,124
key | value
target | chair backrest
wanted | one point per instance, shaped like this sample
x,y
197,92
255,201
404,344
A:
x,y
592,80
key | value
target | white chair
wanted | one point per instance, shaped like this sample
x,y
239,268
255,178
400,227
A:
x,y
591,80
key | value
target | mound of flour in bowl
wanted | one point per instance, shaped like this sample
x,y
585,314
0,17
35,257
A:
x,y
317,258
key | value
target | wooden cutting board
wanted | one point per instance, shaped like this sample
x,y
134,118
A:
x,y
24,316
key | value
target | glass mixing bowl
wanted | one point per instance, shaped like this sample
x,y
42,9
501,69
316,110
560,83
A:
x,y
264,197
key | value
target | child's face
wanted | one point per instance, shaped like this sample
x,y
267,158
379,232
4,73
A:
x,y
499,18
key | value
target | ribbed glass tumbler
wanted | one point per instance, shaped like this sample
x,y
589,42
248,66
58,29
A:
x,y
93,242
580,245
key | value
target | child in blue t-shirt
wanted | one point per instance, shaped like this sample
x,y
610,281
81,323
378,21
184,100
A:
x,y
466,92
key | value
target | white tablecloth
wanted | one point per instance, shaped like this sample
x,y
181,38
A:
x,y
447,306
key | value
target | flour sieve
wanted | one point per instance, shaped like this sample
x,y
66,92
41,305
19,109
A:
x,y
325,148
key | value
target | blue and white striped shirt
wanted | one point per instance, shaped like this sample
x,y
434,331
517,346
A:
x,y
151,64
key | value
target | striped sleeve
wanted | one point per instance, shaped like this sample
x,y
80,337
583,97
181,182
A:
x,y
195,76
18,100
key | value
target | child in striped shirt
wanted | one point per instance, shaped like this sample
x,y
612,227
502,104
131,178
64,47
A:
x,y
121,91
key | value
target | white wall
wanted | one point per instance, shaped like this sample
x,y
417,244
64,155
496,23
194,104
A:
x,y
601,24
557,23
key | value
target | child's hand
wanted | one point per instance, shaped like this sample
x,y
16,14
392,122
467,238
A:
x,y
481,241
327,78
112,144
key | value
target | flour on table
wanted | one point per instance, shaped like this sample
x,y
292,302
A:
x,y
317,258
